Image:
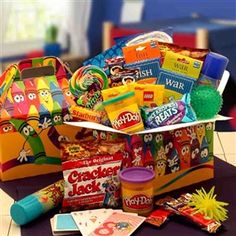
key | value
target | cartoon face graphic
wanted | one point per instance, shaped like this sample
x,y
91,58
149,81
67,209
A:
x,y
136,150
68,96
172,157
32,98
19,99
31,93
45,96
147,142
137,155
127,160
159,141
28,131
209,137
67,117
169,148
195,156
173,163
56,119
147,138
185,157
160,167
204,154
6,128
63,138
99,135
181,135
195,152
200,131
161,162
148,160
178,135
157,144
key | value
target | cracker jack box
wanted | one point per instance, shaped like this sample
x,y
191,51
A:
x,y
180,154
34,102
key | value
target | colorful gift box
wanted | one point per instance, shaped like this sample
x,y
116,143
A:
x,y
180,154
34,103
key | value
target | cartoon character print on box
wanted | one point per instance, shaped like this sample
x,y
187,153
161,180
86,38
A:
x,y
136,144
194,146
182,145
161,162
127,158
21,106
5,126
204,147
64,85
31,93
30,136
41,103
208,132
112,187
173,162
148,159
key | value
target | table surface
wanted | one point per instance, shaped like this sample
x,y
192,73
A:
x,y
224,182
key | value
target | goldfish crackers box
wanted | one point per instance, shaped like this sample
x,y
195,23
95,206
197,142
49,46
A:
x,y
34,102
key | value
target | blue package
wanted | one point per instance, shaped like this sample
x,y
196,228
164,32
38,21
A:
x,y
168,114
99,60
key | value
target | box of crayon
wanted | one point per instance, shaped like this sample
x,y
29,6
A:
x,y
34,103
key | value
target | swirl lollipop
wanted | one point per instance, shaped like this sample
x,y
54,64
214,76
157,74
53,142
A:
x,y
86,84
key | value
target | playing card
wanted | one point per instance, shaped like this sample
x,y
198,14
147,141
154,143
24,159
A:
x,y
63,224
118,224
89,220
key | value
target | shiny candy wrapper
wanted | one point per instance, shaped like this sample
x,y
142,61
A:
x,y
168,114
180,207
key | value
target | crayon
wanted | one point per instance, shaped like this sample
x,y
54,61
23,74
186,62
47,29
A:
x,y
56,114
45,118
44,94
33,117
19,99
57,94
66,116
31,93
8,105
32,138
5,125
64,84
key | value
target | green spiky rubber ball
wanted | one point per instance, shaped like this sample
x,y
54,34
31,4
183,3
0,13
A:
x,y
206,101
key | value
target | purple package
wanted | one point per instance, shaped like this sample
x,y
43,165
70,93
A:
x,y
171,113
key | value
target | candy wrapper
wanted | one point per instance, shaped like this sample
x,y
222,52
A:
x,y
158,217
90,171
180,207
168,114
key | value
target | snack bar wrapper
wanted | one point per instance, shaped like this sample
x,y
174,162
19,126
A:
x,y
171,113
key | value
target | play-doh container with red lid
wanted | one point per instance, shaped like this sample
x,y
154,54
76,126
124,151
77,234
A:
x,y
137,189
